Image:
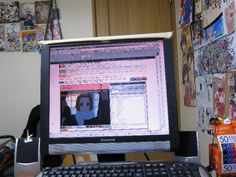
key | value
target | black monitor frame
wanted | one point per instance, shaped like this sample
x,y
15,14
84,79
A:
x,y
173,136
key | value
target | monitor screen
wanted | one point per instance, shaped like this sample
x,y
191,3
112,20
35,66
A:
x,y
108,95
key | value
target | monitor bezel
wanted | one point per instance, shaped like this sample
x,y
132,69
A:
x,y
173,136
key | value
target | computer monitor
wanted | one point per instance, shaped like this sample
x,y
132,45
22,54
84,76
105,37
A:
x,y
108,95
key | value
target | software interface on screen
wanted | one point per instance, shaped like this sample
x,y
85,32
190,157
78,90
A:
x,y
108,90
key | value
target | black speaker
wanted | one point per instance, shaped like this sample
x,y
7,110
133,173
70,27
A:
x,y
27,157
189,147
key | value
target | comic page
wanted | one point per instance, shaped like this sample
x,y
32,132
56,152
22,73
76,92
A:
x,y
9,12
29,41
41,11
188,73
219,94
231,95
12,37
27,15
229,17
204,90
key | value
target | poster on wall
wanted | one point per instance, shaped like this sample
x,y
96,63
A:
x,y
231,95
219,94
9,12
188,71
29,41
214,30
204,91
40,31
229,16
197,32
12,37
41,11
217,56
213,11
186,12
27,15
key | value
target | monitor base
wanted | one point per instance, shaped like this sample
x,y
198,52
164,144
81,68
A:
x,y
111,157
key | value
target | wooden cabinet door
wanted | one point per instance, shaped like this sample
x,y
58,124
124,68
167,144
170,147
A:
x,y
116,17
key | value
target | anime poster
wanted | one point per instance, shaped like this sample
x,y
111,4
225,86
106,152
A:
x,y
40,31
204,91
27,15
9,12
56,30
231,95
212,13
219,94
198,6
29,41
214,30
216,57
197,32
41,11
186,12
229,17
12,37
2,37
188,73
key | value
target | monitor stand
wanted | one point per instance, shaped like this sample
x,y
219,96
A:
x,y
111,157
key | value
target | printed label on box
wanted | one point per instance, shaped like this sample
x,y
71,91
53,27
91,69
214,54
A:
x,y
228,153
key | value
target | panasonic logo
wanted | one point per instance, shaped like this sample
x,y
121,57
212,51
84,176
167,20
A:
x,y
108,140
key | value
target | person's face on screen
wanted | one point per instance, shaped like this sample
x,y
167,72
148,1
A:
x,y
84,104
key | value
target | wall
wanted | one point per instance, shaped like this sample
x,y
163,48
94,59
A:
x,y
189,115
20,72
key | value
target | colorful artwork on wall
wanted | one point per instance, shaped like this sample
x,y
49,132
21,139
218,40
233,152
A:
x,y
22,23
216,57
186,12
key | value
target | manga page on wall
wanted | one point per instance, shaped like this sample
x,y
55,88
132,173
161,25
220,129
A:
x,y
229,17
40,31
27,15
12,37
204,89
9,12
219,94
231,95
188,73
41,11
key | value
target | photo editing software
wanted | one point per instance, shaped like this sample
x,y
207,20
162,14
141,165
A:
x,y
108,90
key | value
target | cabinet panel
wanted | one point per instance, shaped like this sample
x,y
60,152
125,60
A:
x,y
115,17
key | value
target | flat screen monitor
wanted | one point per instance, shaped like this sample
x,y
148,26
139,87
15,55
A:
x,y
108,95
